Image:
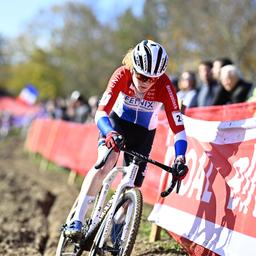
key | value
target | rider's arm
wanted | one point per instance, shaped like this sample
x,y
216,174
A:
x,y
175,120
180,144
117,82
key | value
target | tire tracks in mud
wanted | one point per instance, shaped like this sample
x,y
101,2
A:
x,y
34,203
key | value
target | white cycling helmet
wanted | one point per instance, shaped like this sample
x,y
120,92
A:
x,y
150,58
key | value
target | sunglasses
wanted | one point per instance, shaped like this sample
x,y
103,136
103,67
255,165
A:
x,y
144,79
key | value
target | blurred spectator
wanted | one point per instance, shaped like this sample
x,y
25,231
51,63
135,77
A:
x,y
61,107
234,88
218,64
187,89
5,123
55,108
5,93
93,104
175,82
208,85
78,109
252,94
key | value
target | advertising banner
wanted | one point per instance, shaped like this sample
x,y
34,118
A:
x,y
215,210
216,205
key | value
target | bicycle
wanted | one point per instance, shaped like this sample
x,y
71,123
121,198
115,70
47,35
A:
x,y
112,227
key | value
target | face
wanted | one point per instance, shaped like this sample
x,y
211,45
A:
x,y
204,73
216,69
229,81
185,81
143,83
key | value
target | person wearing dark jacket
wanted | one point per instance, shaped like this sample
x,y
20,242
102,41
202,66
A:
x,y
234,89
217,64
209,86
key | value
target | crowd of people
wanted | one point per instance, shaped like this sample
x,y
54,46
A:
x,y
75,108
217,82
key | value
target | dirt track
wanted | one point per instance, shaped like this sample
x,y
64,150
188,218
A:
x,y
34,204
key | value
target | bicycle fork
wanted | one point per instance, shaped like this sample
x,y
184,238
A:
x,y
98,209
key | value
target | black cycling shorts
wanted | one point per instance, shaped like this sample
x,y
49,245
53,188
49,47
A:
x,y
137,138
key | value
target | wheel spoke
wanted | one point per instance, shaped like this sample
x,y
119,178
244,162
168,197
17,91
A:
x,y
127,214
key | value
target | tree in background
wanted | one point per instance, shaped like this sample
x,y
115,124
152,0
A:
x,y
4,67
40,71
204,29
80,53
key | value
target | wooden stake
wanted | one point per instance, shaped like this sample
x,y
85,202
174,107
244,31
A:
x,y
155,234
71,177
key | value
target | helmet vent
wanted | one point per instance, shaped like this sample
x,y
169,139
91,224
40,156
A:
x,y
164,64
148,59
159,57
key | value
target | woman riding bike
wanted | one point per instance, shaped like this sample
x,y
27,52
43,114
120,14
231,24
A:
x,y
129,107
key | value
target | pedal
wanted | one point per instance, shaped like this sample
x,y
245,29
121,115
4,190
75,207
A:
x,y
74,237
63,227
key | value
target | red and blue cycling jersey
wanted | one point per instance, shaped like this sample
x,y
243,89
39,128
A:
x,y
141,109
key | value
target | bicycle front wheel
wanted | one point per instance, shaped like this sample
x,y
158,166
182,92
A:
x,y
124,226
65,245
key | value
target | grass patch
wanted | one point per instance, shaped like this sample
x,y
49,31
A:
x,y
166,242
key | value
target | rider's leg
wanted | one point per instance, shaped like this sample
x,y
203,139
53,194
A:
x,y
92,184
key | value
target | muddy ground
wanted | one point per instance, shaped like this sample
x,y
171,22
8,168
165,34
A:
x,y
35,202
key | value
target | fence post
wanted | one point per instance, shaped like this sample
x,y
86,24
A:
x,y
71,177
155,234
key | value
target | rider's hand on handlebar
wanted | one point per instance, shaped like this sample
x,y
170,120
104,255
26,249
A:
x,y
180,169
114,140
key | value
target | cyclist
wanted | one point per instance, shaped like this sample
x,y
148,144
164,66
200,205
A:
x,y
129,107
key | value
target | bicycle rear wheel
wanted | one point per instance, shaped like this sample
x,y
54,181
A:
x,y
122,236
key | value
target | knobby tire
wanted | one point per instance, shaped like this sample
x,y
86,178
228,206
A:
x,y
134,196
83,245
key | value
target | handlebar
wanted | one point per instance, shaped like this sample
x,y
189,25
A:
x,y
143,158
162,166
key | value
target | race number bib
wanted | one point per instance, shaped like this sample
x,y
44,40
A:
x,y
177,117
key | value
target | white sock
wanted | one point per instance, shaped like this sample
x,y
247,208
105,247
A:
x,y
82,207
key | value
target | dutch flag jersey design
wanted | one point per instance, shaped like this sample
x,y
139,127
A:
x,y
121,97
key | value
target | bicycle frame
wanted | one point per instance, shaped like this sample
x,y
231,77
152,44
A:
x,y
98,215
127,181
